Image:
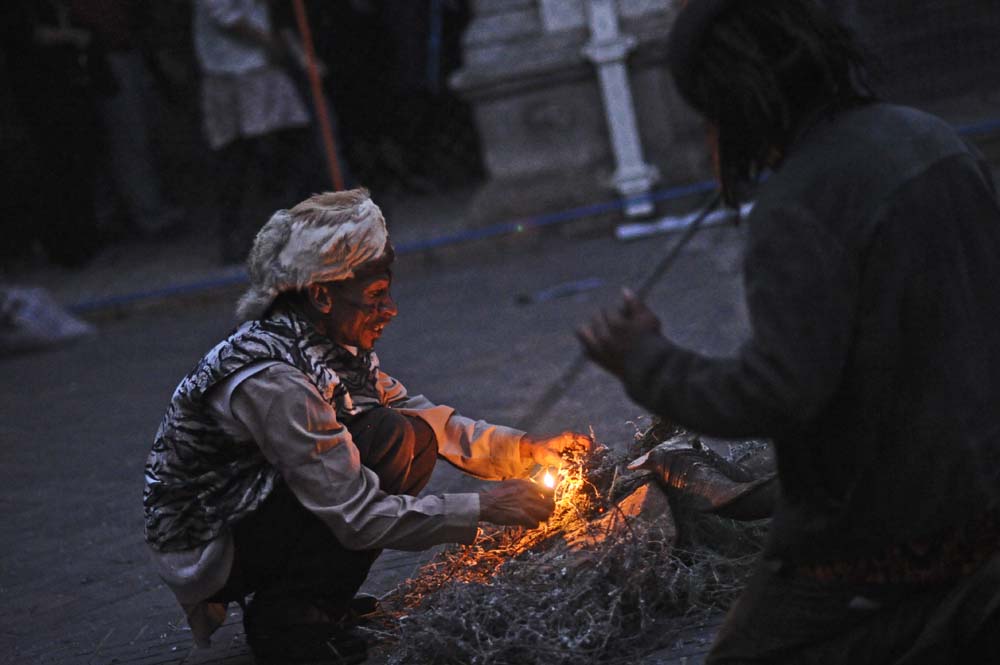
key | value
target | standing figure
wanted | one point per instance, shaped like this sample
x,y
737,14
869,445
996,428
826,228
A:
x,y
254,119
130,174
874,356
57,73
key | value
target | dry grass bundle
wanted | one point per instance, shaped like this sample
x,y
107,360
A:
x,y
587,586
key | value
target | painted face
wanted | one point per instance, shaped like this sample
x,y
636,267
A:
x,y
361,309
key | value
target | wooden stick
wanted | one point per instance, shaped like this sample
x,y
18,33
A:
x,y
319,99
564,381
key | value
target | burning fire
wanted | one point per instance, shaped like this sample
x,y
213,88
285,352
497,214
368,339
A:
x,y
576,501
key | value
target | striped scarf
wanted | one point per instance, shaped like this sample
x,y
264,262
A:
x,y
199,478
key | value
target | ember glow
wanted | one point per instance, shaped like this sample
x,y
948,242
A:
x,y
577,499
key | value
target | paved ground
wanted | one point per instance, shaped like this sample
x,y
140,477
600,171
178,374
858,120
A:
x,y
76,422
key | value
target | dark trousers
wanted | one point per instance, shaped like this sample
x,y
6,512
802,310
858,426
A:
x,y
784,619
293,564
254,176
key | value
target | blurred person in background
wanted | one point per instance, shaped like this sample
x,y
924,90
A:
x,y
57,72
408,134
873,360
129,174
18,175
254,119
287,459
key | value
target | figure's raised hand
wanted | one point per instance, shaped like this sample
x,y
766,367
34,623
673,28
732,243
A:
x,y
640,317
610,335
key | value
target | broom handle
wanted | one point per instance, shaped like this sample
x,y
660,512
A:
x,y
319,99
565,380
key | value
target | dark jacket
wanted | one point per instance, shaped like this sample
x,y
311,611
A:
x,y
873,285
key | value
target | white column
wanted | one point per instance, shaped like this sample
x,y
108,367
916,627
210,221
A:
x,y
607,49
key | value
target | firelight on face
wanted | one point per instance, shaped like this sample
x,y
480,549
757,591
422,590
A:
x,y
361,310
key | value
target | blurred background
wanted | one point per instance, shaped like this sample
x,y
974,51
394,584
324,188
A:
x,y
137,120
509,142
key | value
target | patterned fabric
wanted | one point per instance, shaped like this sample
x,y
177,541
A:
x,y
198,478
243,95
218,50
249,104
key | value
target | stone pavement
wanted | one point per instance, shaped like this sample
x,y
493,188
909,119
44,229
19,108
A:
x,y
76,422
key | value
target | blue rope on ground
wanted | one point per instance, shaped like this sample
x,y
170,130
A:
x,y
112,302
497,230
986,127
506,228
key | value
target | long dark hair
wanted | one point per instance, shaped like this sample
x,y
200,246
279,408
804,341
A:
x,y
756,70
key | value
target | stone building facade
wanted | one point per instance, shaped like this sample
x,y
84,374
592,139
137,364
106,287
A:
x,y
542,121
530,75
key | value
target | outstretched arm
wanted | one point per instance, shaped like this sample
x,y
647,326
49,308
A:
x,y
299,434
801,294
482,449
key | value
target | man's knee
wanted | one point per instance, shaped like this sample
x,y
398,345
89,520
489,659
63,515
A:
x,y
385,431
401,449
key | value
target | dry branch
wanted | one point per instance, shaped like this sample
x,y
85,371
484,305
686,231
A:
x,y
615,573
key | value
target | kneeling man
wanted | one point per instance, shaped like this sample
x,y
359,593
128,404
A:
x,y
287,459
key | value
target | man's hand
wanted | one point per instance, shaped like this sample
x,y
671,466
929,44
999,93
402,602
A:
x,y
610,335
546,450
516,503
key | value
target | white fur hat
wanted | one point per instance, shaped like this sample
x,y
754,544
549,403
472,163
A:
x,y
323,239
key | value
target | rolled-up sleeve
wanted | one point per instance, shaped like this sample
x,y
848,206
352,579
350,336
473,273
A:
x,y
299,433
479,448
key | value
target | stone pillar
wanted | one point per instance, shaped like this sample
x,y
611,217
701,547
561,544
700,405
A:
x,y
539,104
607,49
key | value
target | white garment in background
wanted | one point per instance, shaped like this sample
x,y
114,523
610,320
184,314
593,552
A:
x,y
242,93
